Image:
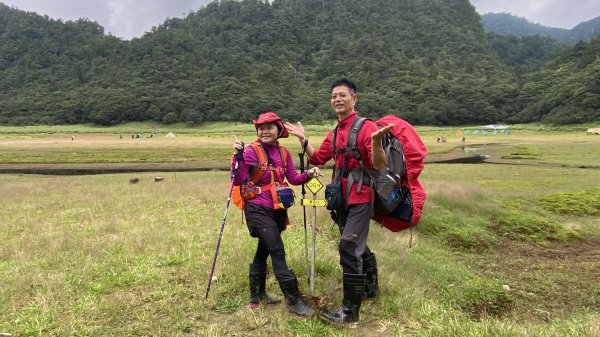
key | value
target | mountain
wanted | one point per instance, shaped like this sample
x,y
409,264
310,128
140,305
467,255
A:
x,y
508,24
526,53
564,91
429,61
585,31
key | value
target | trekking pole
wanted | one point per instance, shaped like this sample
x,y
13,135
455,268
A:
x,y
238,158
301,155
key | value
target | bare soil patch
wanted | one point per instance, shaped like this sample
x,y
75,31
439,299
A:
x,y
547,281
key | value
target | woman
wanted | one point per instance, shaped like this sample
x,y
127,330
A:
x,y
262,173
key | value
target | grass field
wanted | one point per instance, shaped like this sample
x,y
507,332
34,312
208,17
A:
x,y
508,247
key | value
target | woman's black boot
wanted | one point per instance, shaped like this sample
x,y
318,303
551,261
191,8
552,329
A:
x,y
257,280
293,300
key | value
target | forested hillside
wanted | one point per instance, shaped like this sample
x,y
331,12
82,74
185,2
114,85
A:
x,y
426,60
565,91
527,53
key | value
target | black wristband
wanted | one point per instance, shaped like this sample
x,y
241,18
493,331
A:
x,y
304,144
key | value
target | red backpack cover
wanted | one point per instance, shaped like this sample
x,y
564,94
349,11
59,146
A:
x,y
414,156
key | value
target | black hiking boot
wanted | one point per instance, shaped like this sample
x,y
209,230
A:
x,y
257,281
354,287
293,300
371,278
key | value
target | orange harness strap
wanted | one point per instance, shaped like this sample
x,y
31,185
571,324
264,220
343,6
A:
x,y
263,167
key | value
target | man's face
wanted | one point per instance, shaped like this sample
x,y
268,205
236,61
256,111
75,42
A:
x,y
342,100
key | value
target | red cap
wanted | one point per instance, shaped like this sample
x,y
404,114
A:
x,y
271,117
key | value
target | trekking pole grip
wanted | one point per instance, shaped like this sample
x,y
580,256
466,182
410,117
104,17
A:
x,y
239,156
301,155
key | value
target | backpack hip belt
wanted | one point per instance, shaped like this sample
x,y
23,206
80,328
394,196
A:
x,y
357,175
251,192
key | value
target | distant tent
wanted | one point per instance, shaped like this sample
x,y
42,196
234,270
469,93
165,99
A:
x,y
495,129
593,131
170,135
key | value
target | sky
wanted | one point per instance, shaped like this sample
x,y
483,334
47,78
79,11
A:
x,y
122,18
128,19
551,13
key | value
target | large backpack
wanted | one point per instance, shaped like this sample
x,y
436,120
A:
x,y
399,196
256,175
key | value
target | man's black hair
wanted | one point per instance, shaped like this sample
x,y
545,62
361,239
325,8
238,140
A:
x,y
345,82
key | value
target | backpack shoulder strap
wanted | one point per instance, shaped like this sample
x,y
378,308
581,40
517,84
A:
x,y
351,147
280,171
333,137
263,162
354,129
284,155
352,137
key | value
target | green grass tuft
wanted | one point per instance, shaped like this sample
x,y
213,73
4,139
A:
x,y
530,228
581,203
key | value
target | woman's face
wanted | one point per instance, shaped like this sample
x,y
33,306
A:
x,y
267,133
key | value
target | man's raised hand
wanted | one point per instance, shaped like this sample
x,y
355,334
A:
x,y
378,135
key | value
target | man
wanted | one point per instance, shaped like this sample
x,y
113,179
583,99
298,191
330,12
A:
x,y
353,217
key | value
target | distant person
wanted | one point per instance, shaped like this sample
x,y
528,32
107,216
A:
x,y
353,216
266,218
72,138
463,139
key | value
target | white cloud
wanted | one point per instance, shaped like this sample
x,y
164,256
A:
x,y
120,18
553,13
131,18
123,18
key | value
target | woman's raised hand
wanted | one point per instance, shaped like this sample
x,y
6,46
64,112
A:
x,y
237,145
